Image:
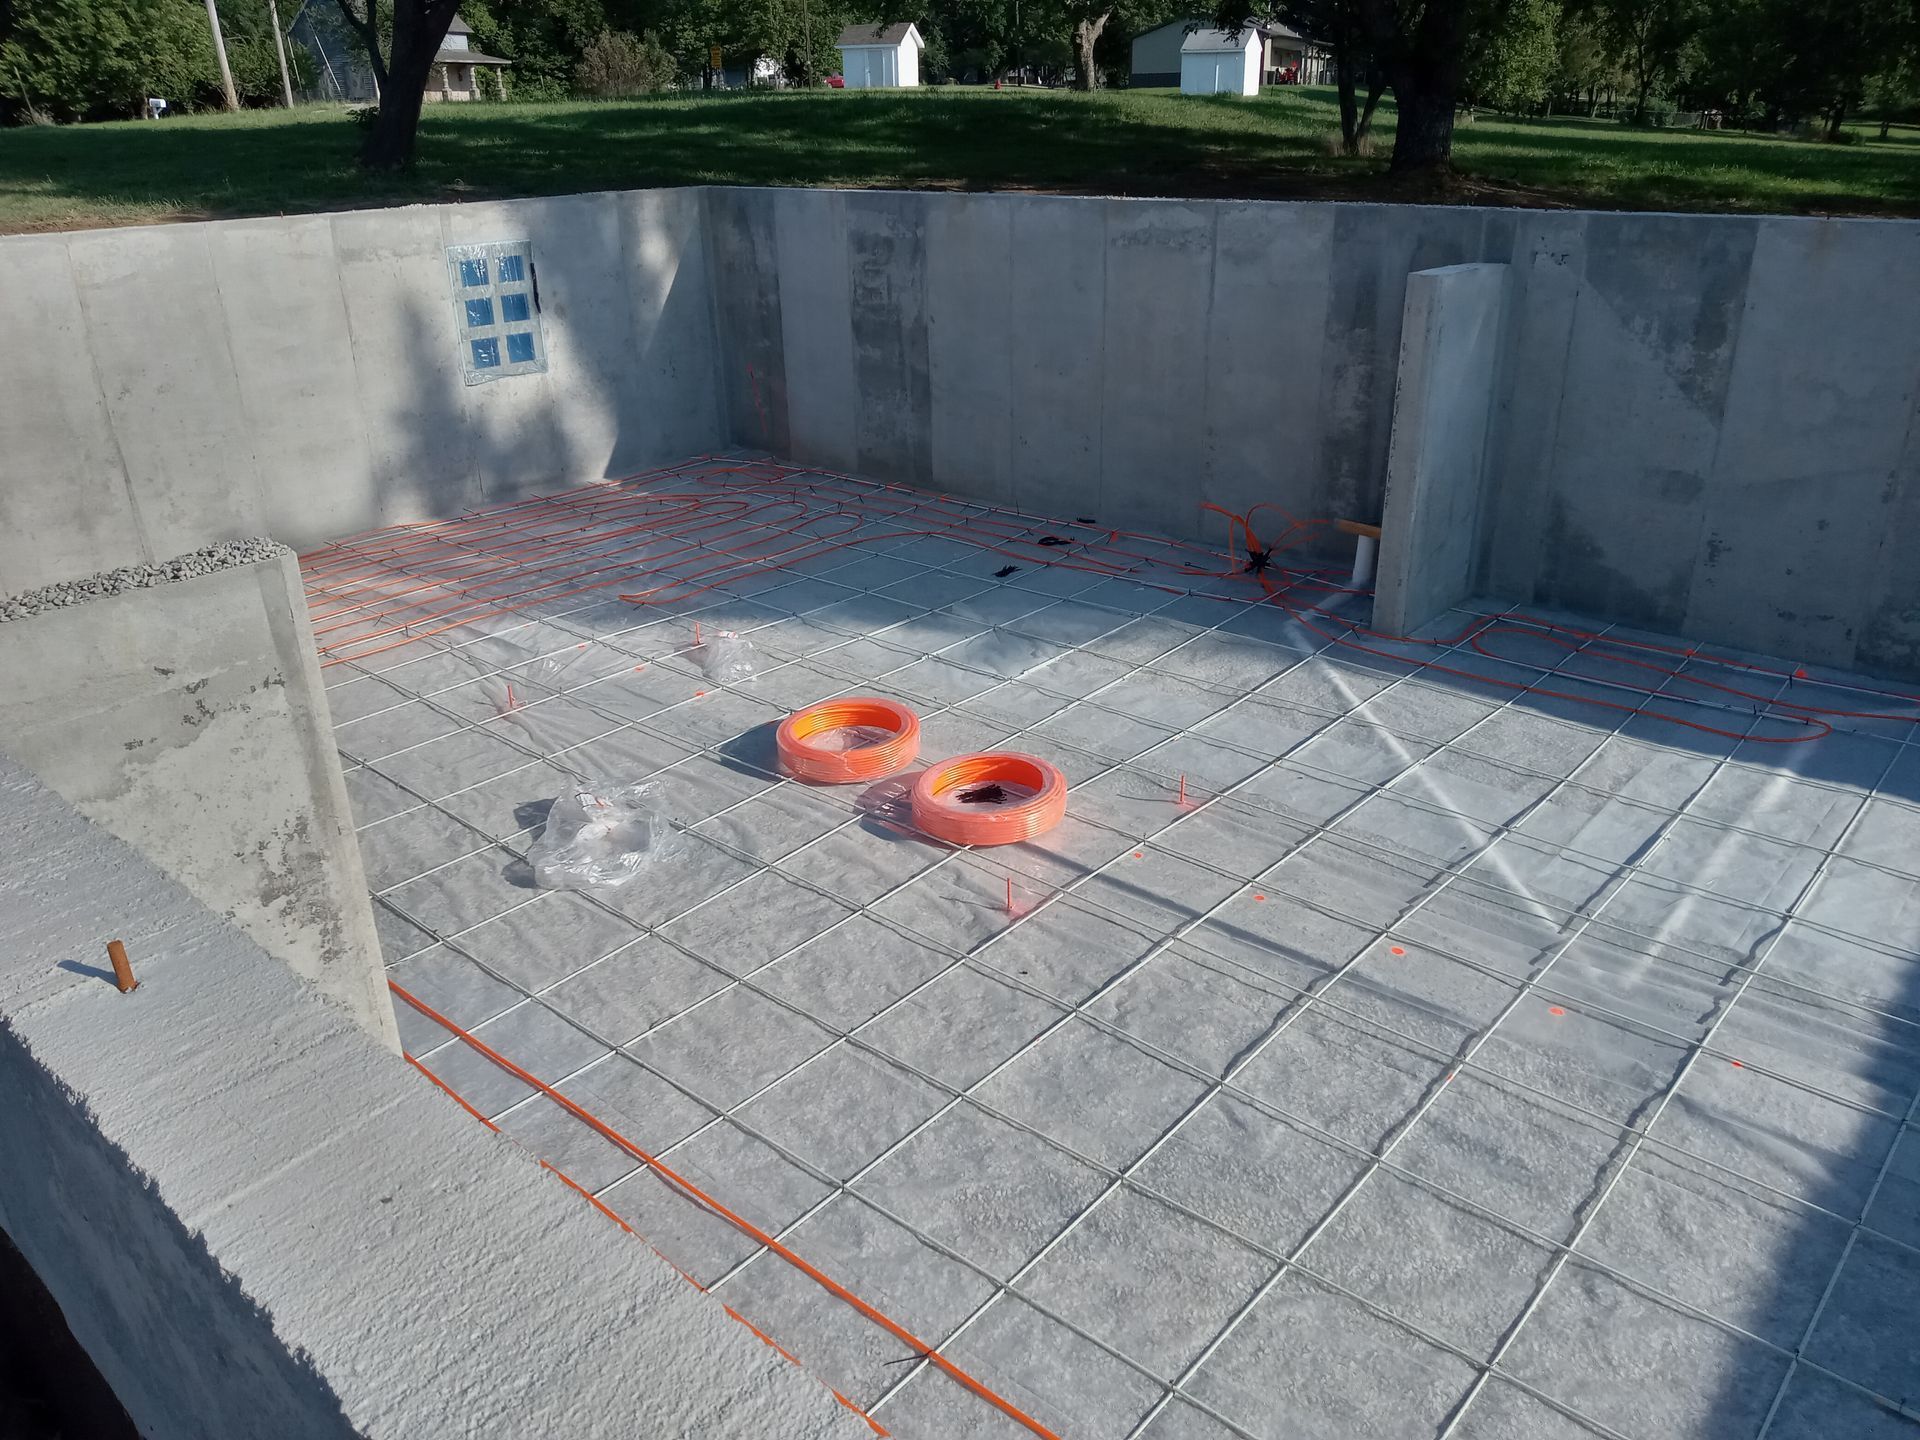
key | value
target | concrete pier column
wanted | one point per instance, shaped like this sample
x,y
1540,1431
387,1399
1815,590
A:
x,y
1444,395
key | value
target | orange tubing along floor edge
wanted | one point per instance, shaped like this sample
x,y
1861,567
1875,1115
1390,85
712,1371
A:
x,y
746,1227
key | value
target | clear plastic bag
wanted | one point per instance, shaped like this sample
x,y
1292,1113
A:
x,y
600,837
729,659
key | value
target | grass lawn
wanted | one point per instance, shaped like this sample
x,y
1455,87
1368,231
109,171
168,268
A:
x,y
1149,142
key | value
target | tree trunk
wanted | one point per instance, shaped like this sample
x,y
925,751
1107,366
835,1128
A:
x,y
1349,102
390,143
418,30
1836,117
1085,32
1376,86
1423,137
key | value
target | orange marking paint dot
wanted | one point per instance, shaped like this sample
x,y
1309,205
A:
x,y
1397,950
638,668
698,693
1259,897
1555,1010
1138,855
1736,1065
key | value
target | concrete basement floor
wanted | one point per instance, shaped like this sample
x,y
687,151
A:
x,y
1456,1061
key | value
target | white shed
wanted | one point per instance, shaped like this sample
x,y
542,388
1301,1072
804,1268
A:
x,y
880,57
1220,62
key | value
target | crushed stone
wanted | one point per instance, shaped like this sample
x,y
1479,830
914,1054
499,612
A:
x,y
221,555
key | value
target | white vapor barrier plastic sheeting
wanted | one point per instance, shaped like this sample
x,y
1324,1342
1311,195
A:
x,y
1455,1060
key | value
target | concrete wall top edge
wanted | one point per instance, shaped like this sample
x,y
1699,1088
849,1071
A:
x,y
1563,212
997,196
243,221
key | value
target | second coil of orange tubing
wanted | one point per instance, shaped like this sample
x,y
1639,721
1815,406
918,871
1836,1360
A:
x,y
805,760
940,813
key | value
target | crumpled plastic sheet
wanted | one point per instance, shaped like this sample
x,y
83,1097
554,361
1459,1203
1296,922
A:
x,y
601,837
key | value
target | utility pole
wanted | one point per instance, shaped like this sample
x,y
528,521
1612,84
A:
x,y
280,49
220,49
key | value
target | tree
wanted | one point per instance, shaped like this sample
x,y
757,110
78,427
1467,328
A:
x,y
1583,63
416,29
1840,45
1895,91
545,39
100,59
1656,41
1423,48
1516,64
1334,24
1088,18
617,64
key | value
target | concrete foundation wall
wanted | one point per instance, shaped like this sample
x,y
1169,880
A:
x,y
1713,429
259,1223
175,385
190,720
1450,354
1704,425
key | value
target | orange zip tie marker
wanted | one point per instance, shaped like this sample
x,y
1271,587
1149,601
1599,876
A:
x,y
996,798
746,1227
804,758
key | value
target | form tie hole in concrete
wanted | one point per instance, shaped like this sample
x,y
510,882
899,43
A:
x,y
122,967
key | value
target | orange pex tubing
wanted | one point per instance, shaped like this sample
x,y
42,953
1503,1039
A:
x,y
746,1227
803,760
939,814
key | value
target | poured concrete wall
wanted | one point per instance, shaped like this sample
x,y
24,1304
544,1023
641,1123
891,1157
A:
x,y
259,1223
1450,357
1125,359
1713,429
300,377
1705,425
190,720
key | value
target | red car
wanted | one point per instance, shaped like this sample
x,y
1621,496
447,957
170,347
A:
x,y
836,82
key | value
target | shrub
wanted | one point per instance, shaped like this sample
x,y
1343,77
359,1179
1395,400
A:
x,y
616,63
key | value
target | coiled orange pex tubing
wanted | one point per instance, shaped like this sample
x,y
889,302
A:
x,y
1025,797
804,759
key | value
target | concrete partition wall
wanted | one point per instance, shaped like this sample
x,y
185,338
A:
x,y
300,377
1448,377
259,1223
189,719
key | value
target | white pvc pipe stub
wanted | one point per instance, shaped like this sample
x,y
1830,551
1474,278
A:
x,y
1365,548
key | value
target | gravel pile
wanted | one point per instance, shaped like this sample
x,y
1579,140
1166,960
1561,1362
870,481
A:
x,y
218,556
